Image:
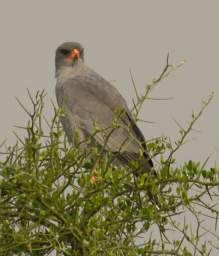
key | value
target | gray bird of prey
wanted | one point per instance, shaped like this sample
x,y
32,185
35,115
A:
x,y
89,101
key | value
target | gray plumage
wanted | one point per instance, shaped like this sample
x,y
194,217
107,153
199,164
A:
x,y
89,100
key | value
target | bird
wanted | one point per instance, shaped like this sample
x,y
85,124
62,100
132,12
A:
x,y
91,103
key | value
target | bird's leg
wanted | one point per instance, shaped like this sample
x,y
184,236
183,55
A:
x,y
93,178
96,164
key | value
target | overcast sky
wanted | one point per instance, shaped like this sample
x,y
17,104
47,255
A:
x,y
118,35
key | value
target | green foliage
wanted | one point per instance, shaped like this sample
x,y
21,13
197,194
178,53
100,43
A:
x,y
55,198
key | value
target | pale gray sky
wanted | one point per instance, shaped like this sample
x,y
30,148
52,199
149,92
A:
x,y
117,35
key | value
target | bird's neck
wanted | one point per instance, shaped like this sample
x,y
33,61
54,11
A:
x,y
67,72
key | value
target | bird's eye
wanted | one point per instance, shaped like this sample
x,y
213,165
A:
x,y
64,51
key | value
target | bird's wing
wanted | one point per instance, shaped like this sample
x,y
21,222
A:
x,y
91,100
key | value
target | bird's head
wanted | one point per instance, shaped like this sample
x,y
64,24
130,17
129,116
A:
x,y
69,54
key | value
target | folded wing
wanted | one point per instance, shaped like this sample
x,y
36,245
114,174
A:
x,y
91,101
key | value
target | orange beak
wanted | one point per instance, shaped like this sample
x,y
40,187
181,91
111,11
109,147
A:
x,y
73,54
